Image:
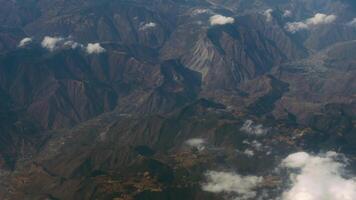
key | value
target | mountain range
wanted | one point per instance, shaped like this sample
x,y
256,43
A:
x,y
136,100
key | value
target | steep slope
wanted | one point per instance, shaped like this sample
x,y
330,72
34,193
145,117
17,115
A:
x,y
229,54
328,77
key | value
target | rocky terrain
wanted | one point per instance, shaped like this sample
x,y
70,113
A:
x,y
187,99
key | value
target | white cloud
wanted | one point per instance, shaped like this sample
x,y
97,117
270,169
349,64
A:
x,y
316,20
24,42
197,143
51,43
221,20
352,22
318,178
287,13
94,48
268,14
148,25
243,187
250,128
320,18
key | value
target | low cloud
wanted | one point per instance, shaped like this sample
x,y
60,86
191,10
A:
x,y
24,42
197,143
148,25
94,48
51,43
242,187
251,128
268,15
320,18
318,177
317,19
54,43
221,20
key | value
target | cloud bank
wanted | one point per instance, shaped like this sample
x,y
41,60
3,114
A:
x,y
24,42
317,19
250,128
318,178
221,20
54,43
226,182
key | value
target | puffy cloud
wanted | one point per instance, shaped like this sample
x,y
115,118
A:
x,y
316,20
221,20
243,187
268,14
197,143
51,43
148,25
320,18
352,22
250,128
24,42
318,177
94,48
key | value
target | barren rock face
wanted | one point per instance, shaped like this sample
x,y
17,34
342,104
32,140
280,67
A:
x,y
155,99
